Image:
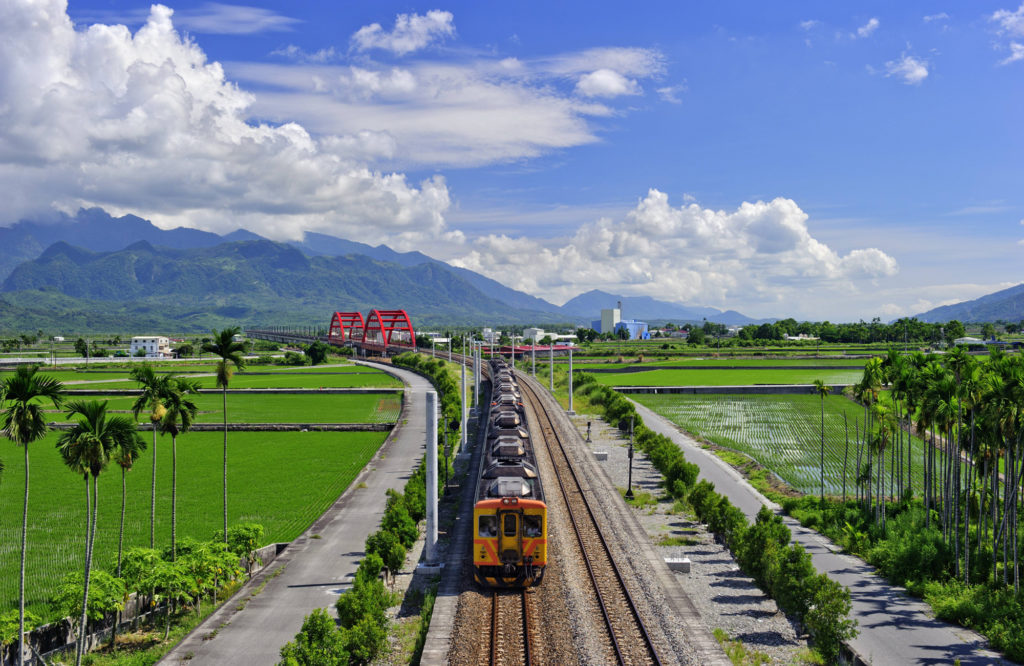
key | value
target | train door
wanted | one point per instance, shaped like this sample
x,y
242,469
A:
x,y
509,542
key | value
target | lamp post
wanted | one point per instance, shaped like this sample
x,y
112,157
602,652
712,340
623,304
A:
x,y
629,488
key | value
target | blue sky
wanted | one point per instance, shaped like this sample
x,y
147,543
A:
x,y
815,160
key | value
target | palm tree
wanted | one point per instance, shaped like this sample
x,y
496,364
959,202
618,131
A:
x,y
181,411
822,389
127,454
87,448
24,423
154,387
230,351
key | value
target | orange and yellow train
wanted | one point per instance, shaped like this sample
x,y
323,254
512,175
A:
x,y
510,523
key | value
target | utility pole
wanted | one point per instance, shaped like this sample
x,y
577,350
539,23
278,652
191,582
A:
x,y
551,368
571,413
629,488
431,537
533,357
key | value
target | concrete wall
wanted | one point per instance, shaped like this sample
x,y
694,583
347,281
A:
x,y
773,389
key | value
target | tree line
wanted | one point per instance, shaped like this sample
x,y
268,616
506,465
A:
x,y
98,439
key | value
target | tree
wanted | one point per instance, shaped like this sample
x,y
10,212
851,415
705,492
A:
x,y
23,423
243,540
81,347
154,388
107,595
184,350
317,352
988,331
178,417
823,390
695,336
230,352
87,449
127,454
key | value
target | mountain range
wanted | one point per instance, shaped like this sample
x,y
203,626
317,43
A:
x,y
1006,305
95,272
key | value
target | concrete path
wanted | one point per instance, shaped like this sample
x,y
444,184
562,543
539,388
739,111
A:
x,y
895,628
315,571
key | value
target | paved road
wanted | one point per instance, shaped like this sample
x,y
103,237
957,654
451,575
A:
x,y
316,570
894,627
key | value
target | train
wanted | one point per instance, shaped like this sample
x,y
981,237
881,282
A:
x,y
510,517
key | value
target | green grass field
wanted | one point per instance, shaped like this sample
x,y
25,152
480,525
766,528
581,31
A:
x,y
742,377
783,433
282,480
277,408
343,376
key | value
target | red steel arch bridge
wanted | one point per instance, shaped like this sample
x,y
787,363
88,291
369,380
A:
x,y
381,332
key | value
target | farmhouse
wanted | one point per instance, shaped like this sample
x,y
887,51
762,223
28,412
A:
x,y
154,346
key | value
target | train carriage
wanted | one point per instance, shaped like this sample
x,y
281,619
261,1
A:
x,y
510,516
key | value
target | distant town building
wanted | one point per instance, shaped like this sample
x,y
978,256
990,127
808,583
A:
x,y
637,330
609,317
154,346
802,336
58,338
491,336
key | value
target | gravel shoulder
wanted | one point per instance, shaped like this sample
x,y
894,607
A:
x,y
724,596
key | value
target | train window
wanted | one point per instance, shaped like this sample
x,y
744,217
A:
x,y
532,526
510,525
488,526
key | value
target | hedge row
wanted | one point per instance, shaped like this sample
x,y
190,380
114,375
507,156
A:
x,y
361,632
762,550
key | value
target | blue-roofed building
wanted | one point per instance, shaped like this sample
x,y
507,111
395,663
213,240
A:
x,y
637,329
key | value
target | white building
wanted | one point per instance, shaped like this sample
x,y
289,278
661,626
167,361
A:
x,y
533,334
154,346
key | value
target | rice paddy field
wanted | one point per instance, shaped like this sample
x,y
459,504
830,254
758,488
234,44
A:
x,y
283,481
351,376
781,432
729,377
277,408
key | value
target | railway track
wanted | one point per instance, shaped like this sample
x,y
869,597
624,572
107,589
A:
x,y
512,628
628,640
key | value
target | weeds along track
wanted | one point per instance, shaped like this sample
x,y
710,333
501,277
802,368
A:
x,y
626,640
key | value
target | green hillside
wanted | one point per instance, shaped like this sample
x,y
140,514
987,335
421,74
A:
x,y
249,282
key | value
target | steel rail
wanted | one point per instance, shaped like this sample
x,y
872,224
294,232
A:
x,y
540,409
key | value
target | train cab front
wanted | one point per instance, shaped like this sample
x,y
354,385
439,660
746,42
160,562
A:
x,y
510,542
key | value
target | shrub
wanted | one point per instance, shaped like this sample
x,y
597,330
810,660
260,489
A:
x,y
911,552
398,521
792,577
365,640
386,545
318,643
828,619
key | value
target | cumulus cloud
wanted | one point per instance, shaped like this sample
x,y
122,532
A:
x,y
810,24
606,83
909,68
868,28
761,251
412,32
1010,22
941,16
143,123
1016,53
